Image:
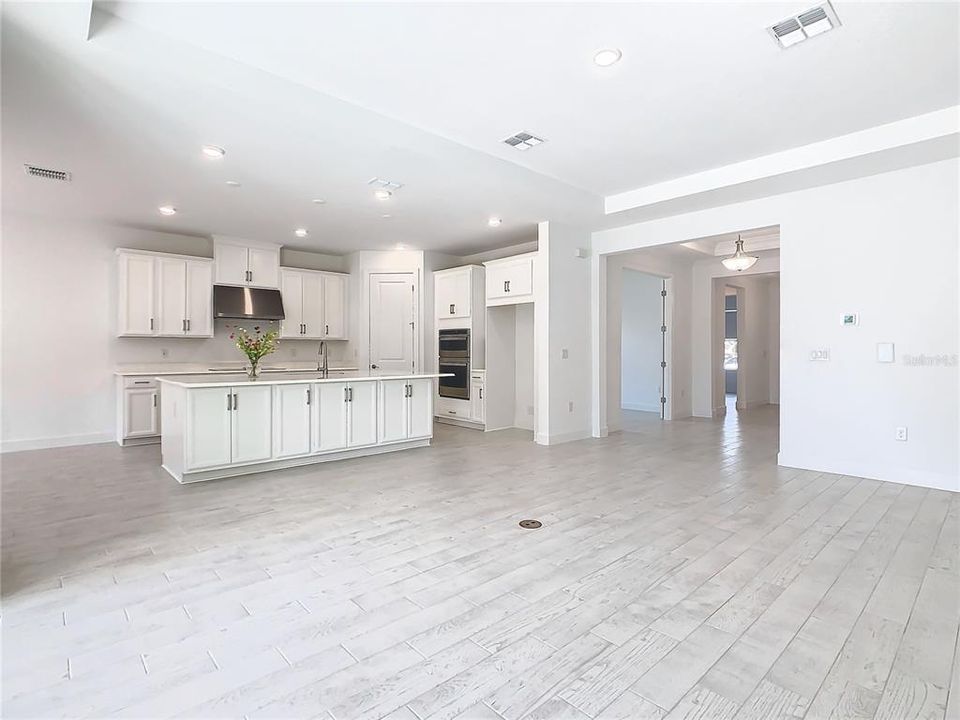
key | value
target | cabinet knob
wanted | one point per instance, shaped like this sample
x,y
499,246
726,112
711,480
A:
x,y
453,309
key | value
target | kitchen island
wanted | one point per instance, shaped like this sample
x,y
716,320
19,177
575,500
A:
x,y
227,425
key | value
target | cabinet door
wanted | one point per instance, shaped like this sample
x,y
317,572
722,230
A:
x,y
199,300
208,425
264,266
171,296
291,419
363,413
420,408
394,414
330,418
251,431
335,306
477,406
141,416
230,263
510,278
136,296
312,306
452,293
291,291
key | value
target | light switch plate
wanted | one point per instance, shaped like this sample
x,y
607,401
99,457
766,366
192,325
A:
x,y
885,353
820,354
851,319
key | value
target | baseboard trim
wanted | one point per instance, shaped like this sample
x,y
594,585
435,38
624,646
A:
x,y
640,407
560,438
469,424
8,446
901,476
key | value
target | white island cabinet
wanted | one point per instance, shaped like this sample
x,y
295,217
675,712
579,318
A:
x,y
225,426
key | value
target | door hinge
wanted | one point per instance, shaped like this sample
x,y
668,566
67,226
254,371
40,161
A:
x,y
663,400
663,328
663,364
663,293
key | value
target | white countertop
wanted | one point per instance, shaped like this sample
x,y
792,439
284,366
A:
x,y
215,368
230,380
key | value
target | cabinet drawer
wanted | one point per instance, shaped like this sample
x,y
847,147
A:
x,y
140,382
452,407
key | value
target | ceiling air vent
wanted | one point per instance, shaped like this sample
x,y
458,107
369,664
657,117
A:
x,y
808,24
523,141
382,184
47,173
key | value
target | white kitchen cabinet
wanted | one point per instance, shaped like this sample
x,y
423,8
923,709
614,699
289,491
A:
x,y
478,411
141,413
136,295
406,409
451,292
209,416
292,411
335,305
162,295
331,417
510,280
363,413
314,304
240,262
251,416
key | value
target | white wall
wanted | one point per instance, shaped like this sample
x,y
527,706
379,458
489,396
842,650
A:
x,y
640,341
773,337
524,403
562,323
59,324
885,246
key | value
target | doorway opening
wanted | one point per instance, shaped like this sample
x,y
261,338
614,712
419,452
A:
x,y
643,343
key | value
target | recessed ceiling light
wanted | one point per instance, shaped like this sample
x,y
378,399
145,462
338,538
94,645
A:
x,y
383,194
167,210
386,215
213,151
318,201
301,232
494,222
232,183
607,57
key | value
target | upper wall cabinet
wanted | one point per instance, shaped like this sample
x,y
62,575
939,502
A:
x,y
161,295
240,262
510,280
314,304
454,289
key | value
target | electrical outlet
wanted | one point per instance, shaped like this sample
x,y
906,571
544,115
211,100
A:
x,y
901,434
570,406
164,353
564,354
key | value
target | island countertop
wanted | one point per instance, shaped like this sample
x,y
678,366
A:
x,y
289,378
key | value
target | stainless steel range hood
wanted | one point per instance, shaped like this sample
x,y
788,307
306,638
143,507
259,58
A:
x,y
243,303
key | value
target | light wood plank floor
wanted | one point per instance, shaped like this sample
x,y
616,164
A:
x,y
679,574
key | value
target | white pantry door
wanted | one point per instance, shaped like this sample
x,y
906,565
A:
x,y
393,302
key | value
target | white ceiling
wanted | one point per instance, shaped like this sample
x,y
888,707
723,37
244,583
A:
x,y
314,99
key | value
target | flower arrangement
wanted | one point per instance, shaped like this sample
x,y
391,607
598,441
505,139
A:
x,y
255,345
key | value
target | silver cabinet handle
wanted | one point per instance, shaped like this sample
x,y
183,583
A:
x,y
453,309
346,394
141,382
235,403
326,330
151,323
188,324
481,393
154,399
350,390
506,286
308,396
229,402
183,325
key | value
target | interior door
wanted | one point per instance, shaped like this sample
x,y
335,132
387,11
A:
x,y
392,313
251,426
231,262
199,299
331,414
312,306
394,415
335,306
264,266
291,419
137,283
171,296
208,427
363,413
291,291
420,408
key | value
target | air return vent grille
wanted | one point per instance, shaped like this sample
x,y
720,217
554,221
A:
x,y
47,173
798,28
523,141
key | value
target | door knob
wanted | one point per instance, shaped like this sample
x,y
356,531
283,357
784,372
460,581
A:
x,y
374,366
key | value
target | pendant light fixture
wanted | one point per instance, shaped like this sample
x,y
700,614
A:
x,y
739,261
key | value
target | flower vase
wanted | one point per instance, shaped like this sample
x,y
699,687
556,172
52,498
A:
x,y
253,372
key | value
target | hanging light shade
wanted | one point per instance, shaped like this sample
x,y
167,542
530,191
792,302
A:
x,y
739,261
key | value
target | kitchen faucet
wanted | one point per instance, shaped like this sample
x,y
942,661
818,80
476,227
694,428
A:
x,y
322,364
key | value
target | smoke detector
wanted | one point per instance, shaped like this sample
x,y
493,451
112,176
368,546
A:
x,y
808,24
47,173
523,141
